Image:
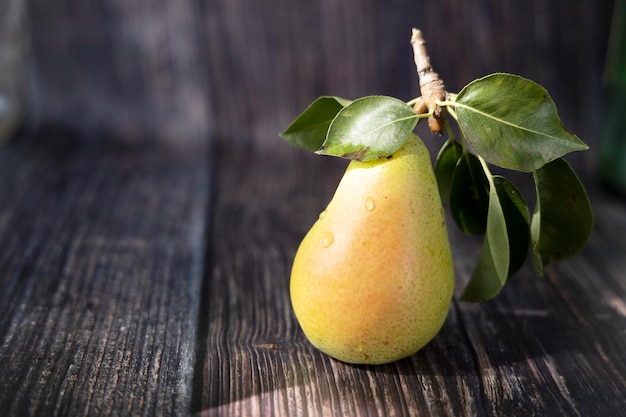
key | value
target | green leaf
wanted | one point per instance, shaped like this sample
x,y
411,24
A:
x,y
369,128
309,129
512,122
444,167
517,221
469,195
492,268
563,218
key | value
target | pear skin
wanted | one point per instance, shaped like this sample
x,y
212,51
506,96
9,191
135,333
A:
x,y
372,281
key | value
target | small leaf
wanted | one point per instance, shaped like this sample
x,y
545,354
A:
x,y
512,122
469,195
563,218
517,221
492,268
309,129
444,167
369,128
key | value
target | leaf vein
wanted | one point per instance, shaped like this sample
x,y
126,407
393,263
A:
x,y
371,132
505,122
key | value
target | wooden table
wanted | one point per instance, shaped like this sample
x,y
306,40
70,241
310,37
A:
x,y
153,280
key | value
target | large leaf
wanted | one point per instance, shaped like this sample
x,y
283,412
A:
x,y
369,128
512,122
563,219
444,167
517,221
469,195
309,129
492,268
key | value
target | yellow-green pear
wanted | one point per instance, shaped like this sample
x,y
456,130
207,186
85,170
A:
x,y
372,281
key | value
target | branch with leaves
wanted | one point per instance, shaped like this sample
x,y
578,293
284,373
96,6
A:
x,y
504,120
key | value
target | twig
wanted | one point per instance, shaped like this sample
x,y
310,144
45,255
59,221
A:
x,y
431,86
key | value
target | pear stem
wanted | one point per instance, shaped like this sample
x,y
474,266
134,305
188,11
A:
x,y
432,87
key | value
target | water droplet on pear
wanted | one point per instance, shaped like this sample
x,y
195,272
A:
x,y
328,239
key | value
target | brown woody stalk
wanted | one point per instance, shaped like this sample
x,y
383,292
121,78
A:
x,y
431,86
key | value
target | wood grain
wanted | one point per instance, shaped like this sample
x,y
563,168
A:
x,y
133,70
145,248
177,70
544,346
271,58
101,251
540,348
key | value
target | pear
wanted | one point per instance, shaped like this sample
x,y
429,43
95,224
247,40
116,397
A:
x,y
372,280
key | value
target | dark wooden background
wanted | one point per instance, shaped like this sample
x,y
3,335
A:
x,y
243,69
149,212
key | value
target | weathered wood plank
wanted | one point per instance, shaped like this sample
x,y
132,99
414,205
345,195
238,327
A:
x,y
101,259
545,346
101,247
554,345
136,68
132,69
271,58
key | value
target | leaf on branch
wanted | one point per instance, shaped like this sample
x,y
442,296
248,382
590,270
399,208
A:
x,y
563,218
444,167
309,129
512,122
492,268
517,221
469,195
369,128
